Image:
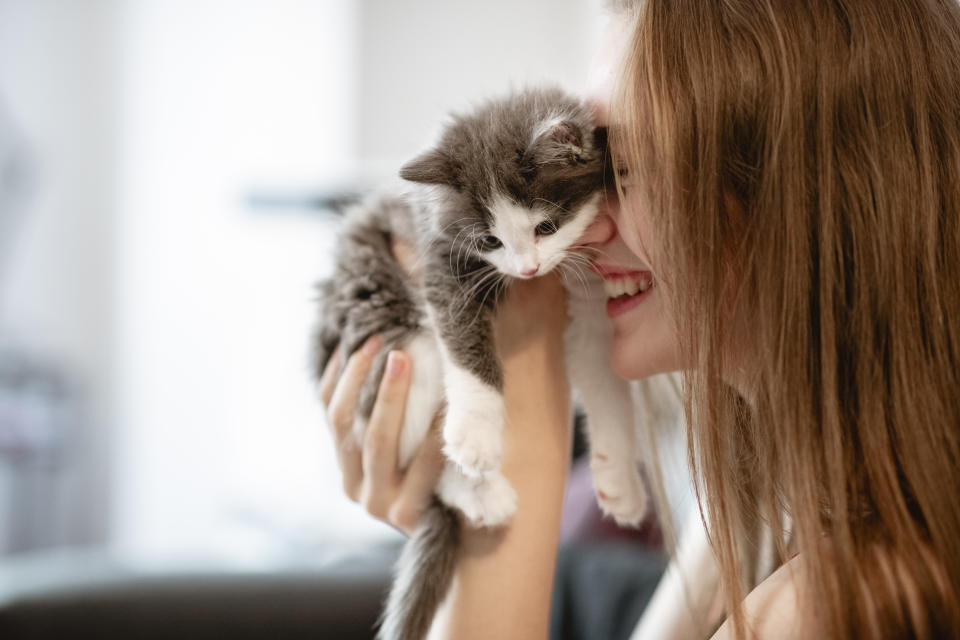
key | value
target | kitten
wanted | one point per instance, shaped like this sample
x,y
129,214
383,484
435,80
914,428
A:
x,y
510,187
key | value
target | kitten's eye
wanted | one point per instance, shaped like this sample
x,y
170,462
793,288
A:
x,y
489,243
545,228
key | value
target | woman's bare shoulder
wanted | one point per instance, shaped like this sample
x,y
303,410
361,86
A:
x,y
772,609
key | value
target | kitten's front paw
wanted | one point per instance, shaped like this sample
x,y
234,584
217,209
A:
x,y
474,439
492,502
620,490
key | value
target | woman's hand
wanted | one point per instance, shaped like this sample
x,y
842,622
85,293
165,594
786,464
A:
x,y
371,476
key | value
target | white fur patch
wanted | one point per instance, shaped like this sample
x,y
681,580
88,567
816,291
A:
x,y
547,125
620,490
473,429
486,501
523,250
425,395
552,247
514,226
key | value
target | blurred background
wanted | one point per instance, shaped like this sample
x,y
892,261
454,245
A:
x,y
164,172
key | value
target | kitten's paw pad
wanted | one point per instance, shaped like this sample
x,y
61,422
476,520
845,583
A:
x,y
476,445
492,503
620,492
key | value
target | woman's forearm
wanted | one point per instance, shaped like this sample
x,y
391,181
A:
x,y
503,580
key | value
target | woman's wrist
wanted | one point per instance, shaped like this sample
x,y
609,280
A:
x,y
503,579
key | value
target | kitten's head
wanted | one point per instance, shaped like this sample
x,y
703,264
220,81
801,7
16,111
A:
x,y
523,176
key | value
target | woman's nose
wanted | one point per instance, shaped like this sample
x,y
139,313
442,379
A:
x,y
600,231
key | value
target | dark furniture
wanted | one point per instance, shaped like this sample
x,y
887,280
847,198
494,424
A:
x,y
91,596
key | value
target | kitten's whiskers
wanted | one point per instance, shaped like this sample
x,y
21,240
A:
x,y
422,254
570,267
496,289
458,245
464,296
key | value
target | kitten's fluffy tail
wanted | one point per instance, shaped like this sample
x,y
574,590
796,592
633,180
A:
x,y
423,575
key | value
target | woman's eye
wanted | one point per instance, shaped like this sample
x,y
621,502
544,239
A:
x,y
491,242
545,228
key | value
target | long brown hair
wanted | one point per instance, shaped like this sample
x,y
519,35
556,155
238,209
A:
x,y
801,165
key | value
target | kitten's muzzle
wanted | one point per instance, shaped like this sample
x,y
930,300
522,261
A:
x,y
529,273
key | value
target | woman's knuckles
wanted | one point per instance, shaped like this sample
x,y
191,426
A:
x,y
340,418
375,504
404,516
377,443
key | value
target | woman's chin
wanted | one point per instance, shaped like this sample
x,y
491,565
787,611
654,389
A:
x,y
635,356
628,363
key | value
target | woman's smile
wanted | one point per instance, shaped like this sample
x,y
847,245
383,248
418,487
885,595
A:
x,y
625,287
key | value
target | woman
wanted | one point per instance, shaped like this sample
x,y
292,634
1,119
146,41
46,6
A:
x,y
790,176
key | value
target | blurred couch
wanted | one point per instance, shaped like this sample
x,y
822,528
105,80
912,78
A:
x,y
62,595
600,592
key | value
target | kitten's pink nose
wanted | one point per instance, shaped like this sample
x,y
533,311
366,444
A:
x,y
530,272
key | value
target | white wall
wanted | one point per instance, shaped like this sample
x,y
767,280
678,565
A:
x,y
422,58
186,313
57,61
221,441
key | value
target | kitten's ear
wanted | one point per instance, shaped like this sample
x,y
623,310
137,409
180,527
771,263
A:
x,y
559,142
430,167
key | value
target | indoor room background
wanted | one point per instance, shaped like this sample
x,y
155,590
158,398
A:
x,y
165,171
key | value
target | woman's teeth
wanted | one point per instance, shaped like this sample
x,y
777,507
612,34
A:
x,y
626,285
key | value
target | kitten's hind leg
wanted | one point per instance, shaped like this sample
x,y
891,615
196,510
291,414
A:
x,y
613,451
425,397
612,432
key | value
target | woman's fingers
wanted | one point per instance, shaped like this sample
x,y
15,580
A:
x,y
343,403
328,381
420,481
369,468
381,476
341,412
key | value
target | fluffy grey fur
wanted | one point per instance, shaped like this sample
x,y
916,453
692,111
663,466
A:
x,y
537,148
368,294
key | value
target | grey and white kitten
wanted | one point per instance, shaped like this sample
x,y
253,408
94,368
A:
x,y
505,194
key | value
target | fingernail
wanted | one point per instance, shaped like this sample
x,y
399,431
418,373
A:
x,y
372,345
396,363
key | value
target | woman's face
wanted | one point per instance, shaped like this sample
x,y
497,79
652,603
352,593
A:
x,y
645,341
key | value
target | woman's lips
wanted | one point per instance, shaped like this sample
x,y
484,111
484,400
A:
x,y
625,288
619,306
628,284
